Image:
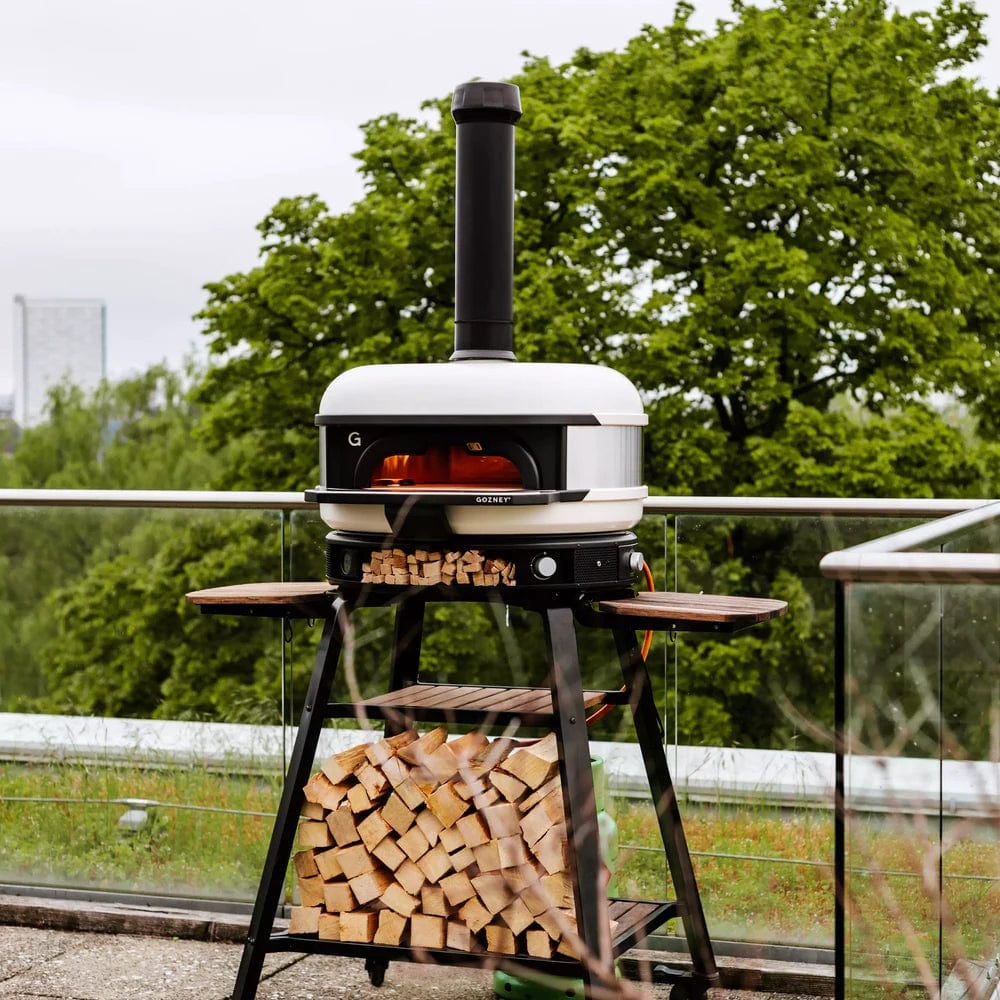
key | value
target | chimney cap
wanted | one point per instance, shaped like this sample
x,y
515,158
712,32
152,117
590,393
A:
x,y
483,100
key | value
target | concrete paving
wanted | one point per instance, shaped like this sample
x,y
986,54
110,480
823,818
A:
x,y
37,963
59,949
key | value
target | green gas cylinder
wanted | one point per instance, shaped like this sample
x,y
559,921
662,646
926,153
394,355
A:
x,y
545,987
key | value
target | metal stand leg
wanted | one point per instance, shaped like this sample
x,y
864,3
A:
x,y
593,920
409,634
272,882
668,815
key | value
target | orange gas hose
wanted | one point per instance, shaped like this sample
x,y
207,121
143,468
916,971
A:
x,y
646,643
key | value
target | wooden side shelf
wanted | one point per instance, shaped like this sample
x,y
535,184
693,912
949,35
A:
x,y
277,599
665,611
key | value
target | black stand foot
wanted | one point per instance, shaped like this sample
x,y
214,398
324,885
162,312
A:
x,y
376,970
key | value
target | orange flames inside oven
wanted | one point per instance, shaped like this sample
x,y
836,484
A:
x,y
447,467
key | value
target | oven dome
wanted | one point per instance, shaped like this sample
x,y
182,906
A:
x,y
471,389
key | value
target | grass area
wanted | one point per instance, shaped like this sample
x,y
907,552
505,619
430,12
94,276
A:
x,y
75,840
764,875
757,893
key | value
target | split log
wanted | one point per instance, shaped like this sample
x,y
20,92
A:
x,y
321,791
338,897
517,916
305,919
538,944
435,864
528,803
426,931
493,891
413,843
387,851
410,877
458,936
457,888
513,851
432,901
371,885
500,940
355,860
420,749
311,810
342,826
329,926
474,915
451,839
382,750
375,782
502,820
391,927
399,900
358,926
395,771
411,794
327,865
373,829
534,764
507,785
314,833
473,829
487,856
430,826
463,858
342,766
447,805
551,850
304,863
311,891
397,814
358,799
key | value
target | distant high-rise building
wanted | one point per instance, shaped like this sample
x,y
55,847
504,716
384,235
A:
x,y
55,340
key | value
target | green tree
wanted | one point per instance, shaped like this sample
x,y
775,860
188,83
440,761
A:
x,y
133,435
798,206
785,232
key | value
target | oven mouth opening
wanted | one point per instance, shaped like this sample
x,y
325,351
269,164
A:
x,y
463,466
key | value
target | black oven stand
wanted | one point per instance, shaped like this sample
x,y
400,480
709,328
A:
x,y
563,708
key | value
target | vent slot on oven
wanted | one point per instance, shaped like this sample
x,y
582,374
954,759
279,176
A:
x,y
595,565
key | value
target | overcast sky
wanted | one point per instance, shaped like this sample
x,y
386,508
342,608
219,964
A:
x,y
140,144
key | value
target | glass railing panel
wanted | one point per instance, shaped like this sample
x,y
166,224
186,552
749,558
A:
x,y
969,808
93,623
892,788
767,695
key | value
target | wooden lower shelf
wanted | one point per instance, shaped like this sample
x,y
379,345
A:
x,y
467,703
635,918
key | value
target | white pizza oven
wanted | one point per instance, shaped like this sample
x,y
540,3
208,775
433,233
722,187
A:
x,y
533,471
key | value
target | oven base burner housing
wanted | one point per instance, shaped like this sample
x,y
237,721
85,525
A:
x,y
591,562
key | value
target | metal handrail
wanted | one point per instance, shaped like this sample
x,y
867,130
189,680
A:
x,y
201,499
892,559
765,506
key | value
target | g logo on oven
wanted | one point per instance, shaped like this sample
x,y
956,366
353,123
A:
x,y
354,439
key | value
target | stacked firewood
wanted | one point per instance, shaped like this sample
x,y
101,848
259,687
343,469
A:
x,y
422,568
425,842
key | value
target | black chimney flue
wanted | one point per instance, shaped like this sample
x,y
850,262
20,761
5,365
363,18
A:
x,y
485,115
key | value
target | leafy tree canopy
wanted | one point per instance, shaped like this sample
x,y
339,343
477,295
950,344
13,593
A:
x,y
750,224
